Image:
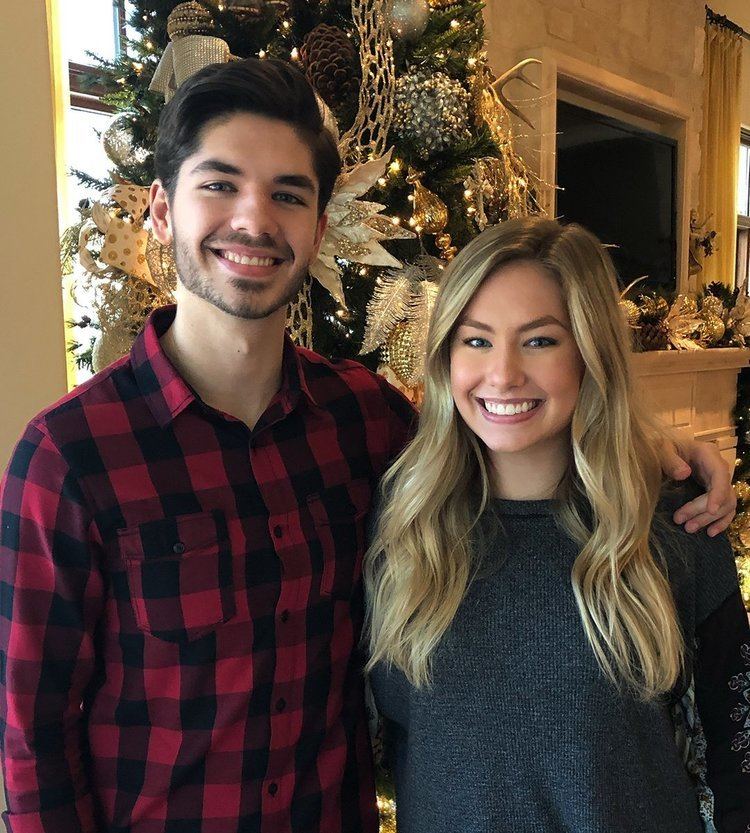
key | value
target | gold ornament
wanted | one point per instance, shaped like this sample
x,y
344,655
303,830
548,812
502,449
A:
x,y
441,4
744,529
742,492
447,251
687,305
430,212
245,10
631,311
192,47
712,328
387,812
189,19
713,305
399,352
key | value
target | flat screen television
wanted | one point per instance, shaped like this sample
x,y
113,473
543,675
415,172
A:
x,y
619,181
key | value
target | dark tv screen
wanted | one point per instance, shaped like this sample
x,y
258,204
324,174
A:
x,y
619,182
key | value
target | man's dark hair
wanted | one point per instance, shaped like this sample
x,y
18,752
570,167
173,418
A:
x,y
270,88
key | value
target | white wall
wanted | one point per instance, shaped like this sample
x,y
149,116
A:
x,y
32,351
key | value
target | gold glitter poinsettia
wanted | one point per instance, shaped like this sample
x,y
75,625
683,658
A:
x,y
355,227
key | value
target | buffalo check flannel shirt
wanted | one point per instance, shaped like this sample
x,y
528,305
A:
x,y
181,601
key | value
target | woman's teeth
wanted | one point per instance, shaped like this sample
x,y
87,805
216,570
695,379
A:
x,y
511,408
244,260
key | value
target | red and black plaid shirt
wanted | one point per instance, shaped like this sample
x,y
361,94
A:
x,y
180,603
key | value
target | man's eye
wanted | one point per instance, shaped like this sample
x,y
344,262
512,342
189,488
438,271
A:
x,y
292,199
541,341
218,187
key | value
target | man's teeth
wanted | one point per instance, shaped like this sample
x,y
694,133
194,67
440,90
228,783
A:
x,y
249,261
510,409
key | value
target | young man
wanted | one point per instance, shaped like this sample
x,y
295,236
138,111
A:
x,y
182,535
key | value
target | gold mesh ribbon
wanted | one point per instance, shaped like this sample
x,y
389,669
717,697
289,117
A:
x,y
184,57
366,138
299,317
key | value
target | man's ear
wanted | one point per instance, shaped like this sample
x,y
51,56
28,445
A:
x,y
320,231
161,220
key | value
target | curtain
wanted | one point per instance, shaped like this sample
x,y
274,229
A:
x,y
720,141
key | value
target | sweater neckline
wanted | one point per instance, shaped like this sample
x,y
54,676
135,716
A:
x,y
503,506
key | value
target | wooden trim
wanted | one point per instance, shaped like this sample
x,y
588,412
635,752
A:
x,y
669,116
655,362
82,96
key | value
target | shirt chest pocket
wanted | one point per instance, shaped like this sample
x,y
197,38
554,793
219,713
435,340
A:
x,y
339,516
179,573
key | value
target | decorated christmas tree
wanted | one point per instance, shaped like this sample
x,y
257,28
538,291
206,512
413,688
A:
x,y
425,134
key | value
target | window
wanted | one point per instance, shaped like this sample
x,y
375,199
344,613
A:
x,y
743,214
88,27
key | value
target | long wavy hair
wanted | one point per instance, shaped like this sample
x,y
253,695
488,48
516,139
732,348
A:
x,y
421,559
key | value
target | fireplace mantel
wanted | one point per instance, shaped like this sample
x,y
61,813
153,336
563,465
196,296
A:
x,y
694,391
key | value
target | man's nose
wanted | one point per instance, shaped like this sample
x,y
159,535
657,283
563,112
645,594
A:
x,y
255,214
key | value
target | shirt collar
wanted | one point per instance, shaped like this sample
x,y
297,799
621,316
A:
x,y
167,394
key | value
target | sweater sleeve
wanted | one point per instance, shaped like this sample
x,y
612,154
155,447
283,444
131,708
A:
x,y
722,690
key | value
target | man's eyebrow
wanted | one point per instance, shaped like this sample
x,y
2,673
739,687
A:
x,y
297,181
217,166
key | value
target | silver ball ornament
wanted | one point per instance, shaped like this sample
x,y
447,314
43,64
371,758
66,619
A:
x,y
408,19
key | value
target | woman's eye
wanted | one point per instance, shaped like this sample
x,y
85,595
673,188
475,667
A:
x,y
476,341
293,199
541,341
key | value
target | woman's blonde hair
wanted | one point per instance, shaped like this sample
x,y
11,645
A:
x,y
421,560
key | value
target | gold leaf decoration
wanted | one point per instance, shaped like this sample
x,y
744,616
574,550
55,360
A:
x,y
388,305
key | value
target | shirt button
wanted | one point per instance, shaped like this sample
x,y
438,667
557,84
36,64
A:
x,y
284,616
178,548
273,788
278,531
280,704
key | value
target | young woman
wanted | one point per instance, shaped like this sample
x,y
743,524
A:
x,y
539,629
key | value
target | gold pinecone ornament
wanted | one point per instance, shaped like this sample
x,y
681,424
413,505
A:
x,y
331,63
652,332
652,335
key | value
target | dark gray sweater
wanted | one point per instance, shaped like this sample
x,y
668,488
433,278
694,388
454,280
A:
x,y
519,730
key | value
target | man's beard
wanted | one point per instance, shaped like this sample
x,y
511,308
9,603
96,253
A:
x,y
196,282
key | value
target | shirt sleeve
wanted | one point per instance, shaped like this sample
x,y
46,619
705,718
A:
x,y
50,601
722,691
401,417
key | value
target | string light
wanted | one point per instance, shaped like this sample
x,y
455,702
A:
x,y
262,53
455,24
396,221
382,182
472,62
410,198
295,54
412,222
395,166
468,194
363,271
286,25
